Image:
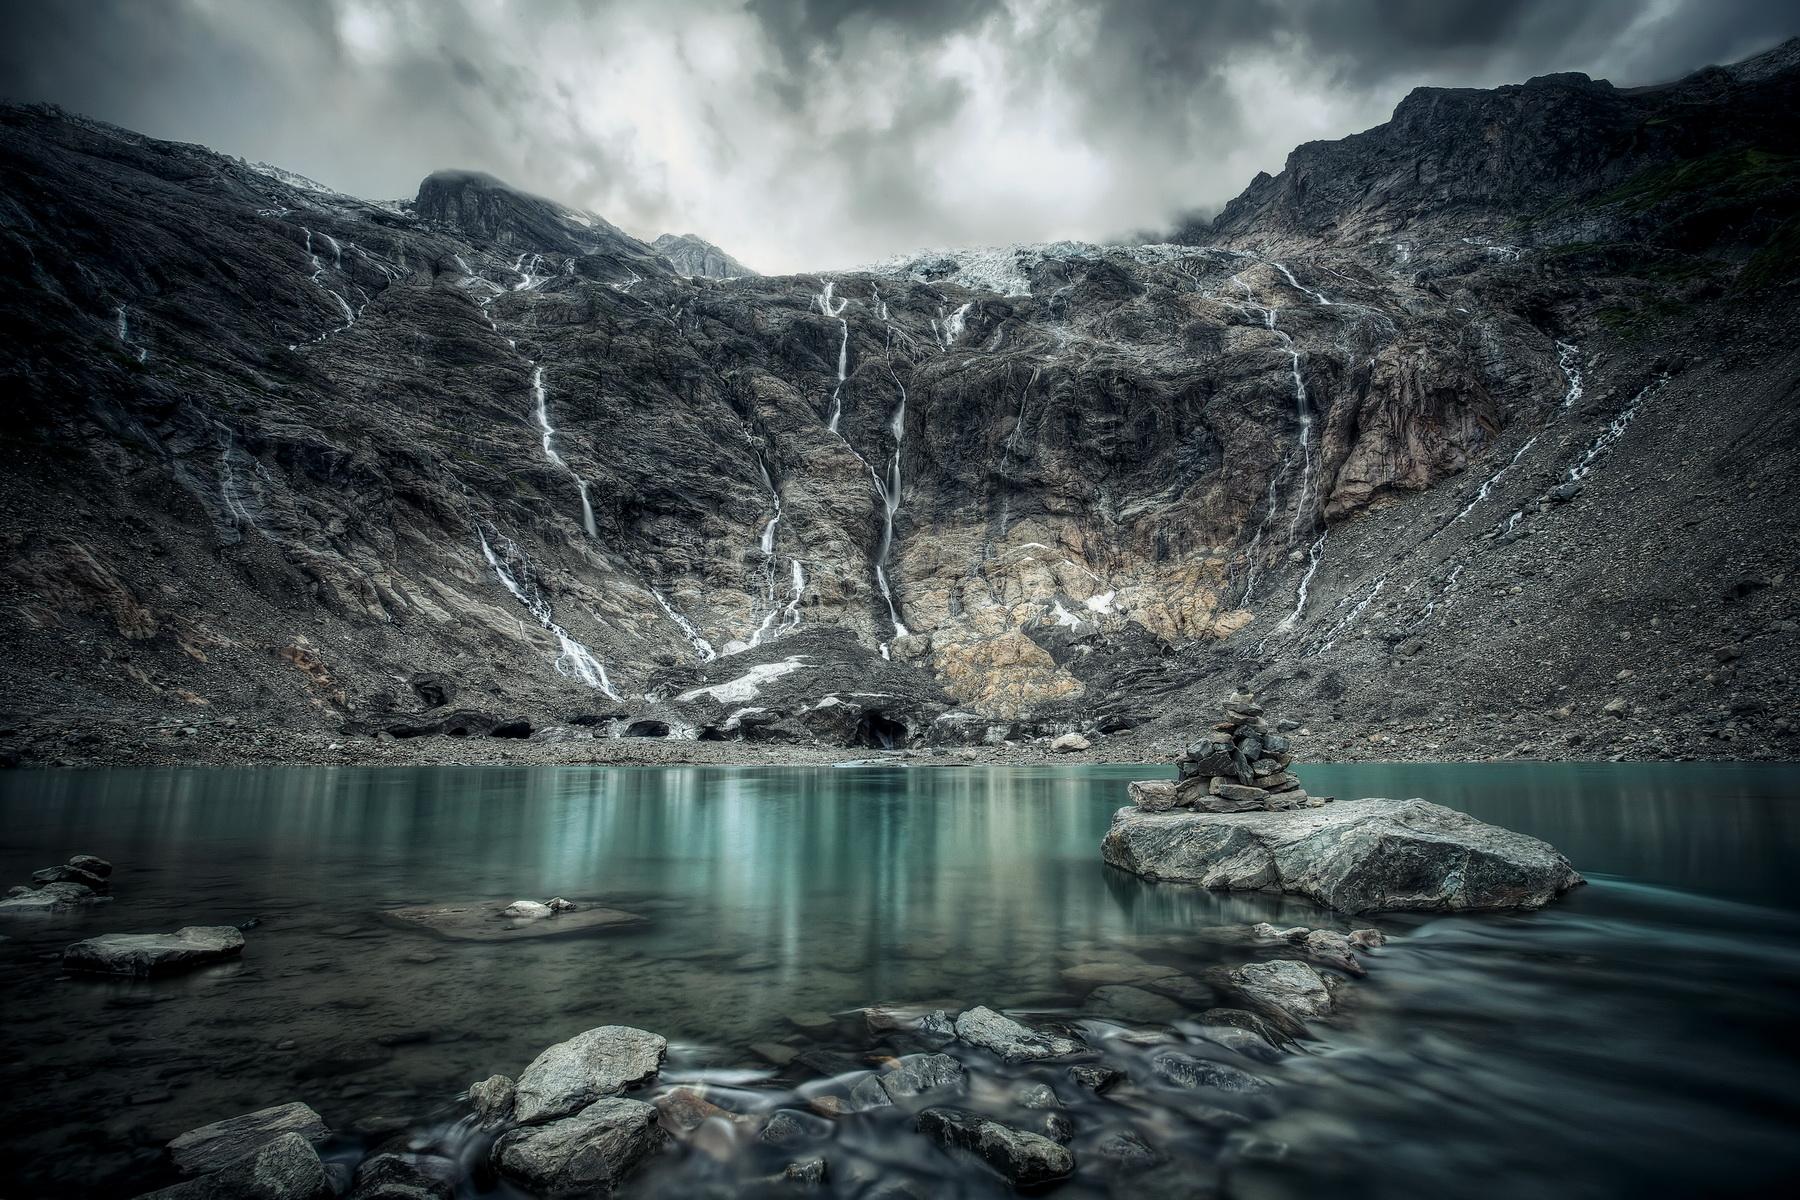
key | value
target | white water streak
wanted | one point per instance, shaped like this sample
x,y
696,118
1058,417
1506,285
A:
x,y
574,661
701,646
541,410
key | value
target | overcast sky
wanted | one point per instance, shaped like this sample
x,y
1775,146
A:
x,y
828,133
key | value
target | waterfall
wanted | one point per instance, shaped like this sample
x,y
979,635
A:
x,y
1318,297
541,411
1349,619
890,505
1304,407
142,353
1568,358
1312,565
1615,429
317,277
767,545
574,661
825,306
701,646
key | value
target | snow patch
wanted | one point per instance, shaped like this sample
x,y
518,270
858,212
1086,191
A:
x,y
749,685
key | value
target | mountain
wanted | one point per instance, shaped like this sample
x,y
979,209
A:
x,y
696,256
316,477
1564,158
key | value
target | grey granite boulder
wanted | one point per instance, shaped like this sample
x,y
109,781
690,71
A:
x,y
211,1147
1013,1042
587,1154
145,954
286,1167
1026,1159
1355,856
572,1074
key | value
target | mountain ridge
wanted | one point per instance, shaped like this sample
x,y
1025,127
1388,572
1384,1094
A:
x,y
362,475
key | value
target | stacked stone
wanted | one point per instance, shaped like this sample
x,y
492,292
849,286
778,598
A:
x,y
1240,766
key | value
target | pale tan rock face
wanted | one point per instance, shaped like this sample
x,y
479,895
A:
x,y
1002,675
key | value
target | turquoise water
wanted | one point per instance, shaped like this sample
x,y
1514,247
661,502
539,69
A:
x,y
1589,1050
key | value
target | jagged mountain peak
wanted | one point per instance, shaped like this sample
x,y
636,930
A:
x,y
1456,161
694,256
488,209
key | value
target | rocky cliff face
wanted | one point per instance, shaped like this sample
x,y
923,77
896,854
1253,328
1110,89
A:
x,y
478,461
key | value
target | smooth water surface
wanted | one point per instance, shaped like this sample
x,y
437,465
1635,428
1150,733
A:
x,y
1632,1039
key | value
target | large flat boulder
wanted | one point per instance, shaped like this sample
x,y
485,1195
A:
x,y
589,1066
146,954
1355,856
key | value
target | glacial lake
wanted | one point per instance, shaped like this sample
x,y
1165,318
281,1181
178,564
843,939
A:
x,y
1636,1038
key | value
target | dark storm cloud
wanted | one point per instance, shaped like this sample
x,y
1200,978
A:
x,y
825,132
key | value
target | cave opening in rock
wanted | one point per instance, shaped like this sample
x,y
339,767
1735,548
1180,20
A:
x,y
712,733
878,731
647,729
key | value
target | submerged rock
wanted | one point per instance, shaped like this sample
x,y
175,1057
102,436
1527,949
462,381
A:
x,y
587,1154
1024,1158
1187,1071
1355,856
500,920
1013,1042
402,1175
1126,1003
211,1147
146,954
601,1062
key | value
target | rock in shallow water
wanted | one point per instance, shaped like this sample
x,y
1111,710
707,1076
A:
x,y
284,1168
601,1062
209,1148
494,920
1285,986
146,954
1356,856
1024,1158
586,1154
51,898
1013,1042
917,1074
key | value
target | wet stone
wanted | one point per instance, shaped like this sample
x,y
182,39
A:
x,y
1096,1078
922,1074
210,1147
1187,1071
1026,1159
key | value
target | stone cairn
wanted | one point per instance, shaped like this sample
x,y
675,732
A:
x,y
1241,765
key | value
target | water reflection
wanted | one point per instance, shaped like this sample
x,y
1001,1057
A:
x,y
773,896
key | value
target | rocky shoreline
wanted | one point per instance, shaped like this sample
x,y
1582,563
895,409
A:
x,y
964,1095
230,743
